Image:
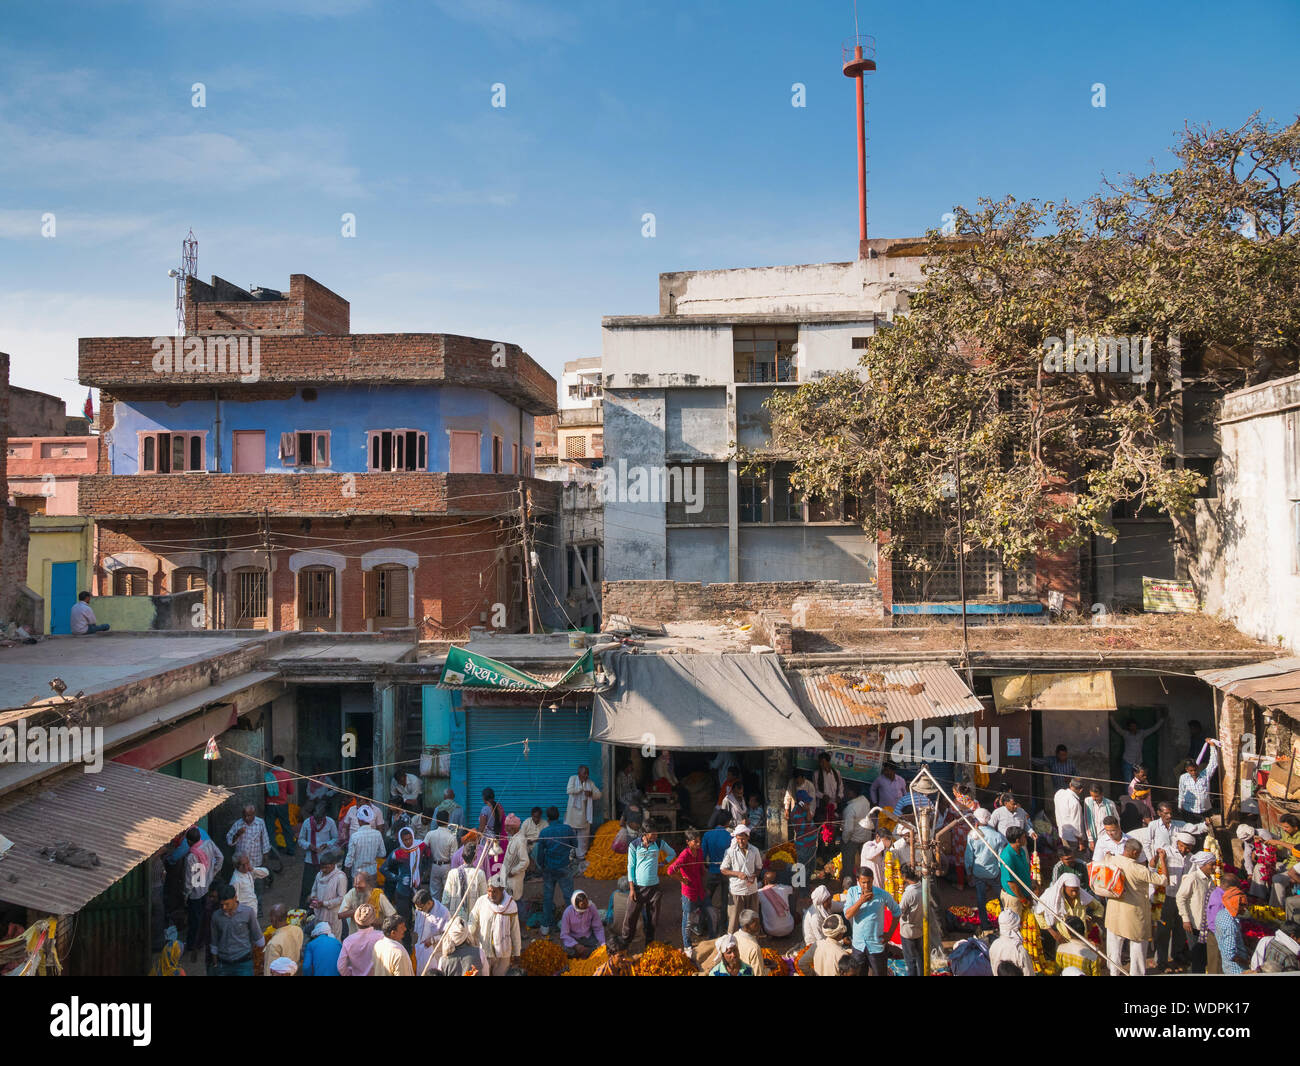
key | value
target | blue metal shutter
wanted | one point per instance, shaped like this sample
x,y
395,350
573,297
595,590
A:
x,y
558,743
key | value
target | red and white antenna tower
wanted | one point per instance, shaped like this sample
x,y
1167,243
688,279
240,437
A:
x,y
859,59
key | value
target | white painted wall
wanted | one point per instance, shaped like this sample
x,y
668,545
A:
x,y
862,285
663,357
1247,563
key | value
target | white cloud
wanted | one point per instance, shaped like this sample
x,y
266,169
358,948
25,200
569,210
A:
x,y
42,328
512,18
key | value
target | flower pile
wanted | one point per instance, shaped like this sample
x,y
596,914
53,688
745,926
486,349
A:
x,y
543,958
603,862
663,960
587,967
781,853
1261,912
969,916
776,965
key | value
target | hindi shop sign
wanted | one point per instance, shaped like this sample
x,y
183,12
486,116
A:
x,y
1163,596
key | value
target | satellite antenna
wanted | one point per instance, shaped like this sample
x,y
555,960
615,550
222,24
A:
x,y
189,268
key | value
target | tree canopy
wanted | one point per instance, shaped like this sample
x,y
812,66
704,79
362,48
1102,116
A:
x,y
1009,358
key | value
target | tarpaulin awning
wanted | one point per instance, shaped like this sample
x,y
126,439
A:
x,y
1086,691
700,702
1274,684
122,814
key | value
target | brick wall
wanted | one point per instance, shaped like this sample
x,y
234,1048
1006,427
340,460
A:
x,y
14,521
120,364
830,610
36,414
774,629
691,601
221,307
465,566
222,495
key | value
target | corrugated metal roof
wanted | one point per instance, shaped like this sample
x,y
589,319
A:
x,y
1274,684
1270,668
847,697
122,814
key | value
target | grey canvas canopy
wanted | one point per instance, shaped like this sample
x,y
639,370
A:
x,y
700,702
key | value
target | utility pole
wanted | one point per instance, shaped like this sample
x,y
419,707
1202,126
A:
x,y
528,553
924,785
270,582
961,579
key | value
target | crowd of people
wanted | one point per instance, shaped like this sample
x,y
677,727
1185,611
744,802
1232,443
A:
x,y
397,890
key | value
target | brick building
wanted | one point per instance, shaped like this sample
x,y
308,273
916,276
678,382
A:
x,y
375,476
13,520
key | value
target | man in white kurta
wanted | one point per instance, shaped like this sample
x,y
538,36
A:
x,y
581,810
327,893
1068,806
431,921
496,919
515,863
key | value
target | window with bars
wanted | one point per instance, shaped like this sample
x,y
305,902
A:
x,y
305,448
398,449
925,568
316,595
248,608
171,453
765,353
387,593
130,581
768,495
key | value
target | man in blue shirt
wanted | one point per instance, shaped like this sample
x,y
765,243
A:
x,y
715,843
320,956
864,909
983,847
557,845
643,858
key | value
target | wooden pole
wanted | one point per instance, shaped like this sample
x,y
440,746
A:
x,y
528,554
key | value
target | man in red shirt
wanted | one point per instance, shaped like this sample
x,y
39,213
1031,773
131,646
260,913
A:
x,y
691,866
279,788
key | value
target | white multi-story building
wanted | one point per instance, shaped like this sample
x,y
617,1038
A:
x,y
684,392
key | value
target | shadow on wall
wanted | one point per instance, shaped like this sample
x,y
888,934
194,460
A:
x,y
1218,531
138,614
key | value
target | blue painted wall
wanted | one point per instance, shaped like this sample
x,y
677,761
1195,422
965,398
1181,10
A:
x,y
346,413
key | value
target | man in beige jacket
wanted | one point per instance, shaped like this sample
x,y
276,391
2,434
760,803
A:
x,y
1129,917
1192,890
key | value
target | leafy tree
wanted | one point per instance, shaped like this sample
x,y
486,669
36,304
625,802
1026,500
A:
x,y
1202,262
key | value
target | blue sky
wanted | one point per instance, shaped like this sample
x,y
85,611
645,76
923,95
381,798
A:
x,y
523,223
